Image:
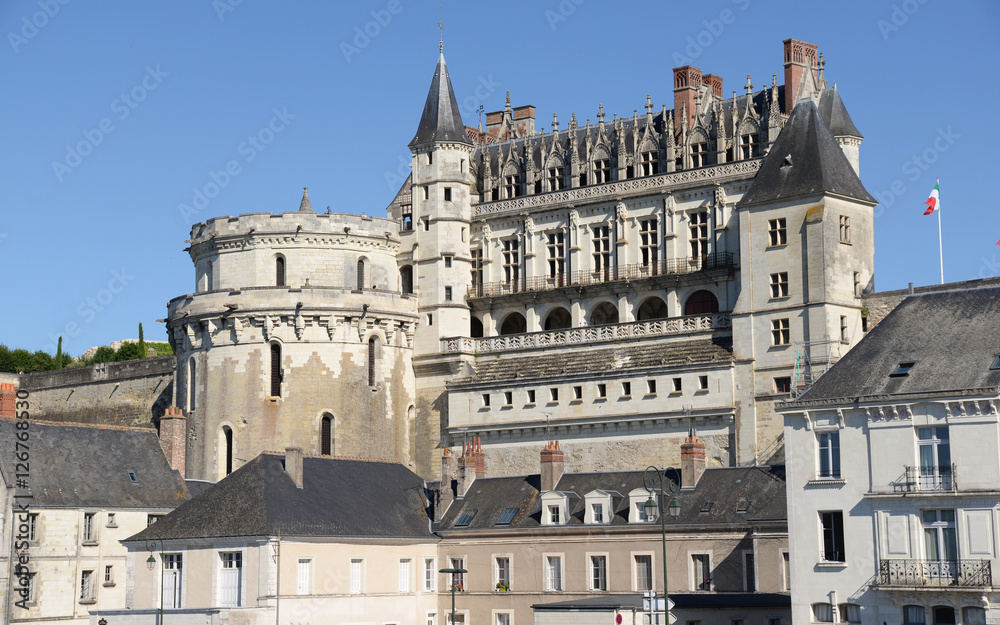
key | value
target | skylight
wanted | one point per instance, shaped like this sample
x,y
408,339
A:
x,y
466,518
507,516
902,370
742,505
707,506
132,476
996,362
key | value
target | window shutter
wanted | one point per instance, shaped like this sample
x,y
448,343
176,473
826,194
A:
x,y
275,370
279,271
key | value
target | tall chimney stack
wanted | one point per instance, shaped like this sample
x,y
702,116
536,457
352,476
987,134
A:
x,y
8,400
293,464
466,470
687,82
692,460
173,438
445,495
552,465
480,458
800,57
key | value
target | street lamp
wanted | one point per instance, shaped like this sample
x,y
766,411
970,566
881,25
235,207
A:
x,y
453,572
651,507
151,564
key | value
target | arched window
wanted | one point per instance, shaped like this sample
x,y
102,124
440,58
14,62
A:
x,y
475,328
371,360
604,314
227,448
276,374
279,271
326,435
652,308
514,324
406,279
558,319
361,275
701,303
192,381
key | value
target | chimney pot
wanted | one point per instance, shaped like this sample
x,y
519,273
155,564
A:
x,y
173,438
692,460
552,465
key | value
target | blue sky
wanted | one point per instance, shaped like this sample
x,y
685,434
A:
x,y
115,113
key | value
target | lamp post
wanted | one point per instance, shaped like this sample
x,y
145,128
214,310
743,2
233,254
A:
x,y
151,564
652,506
453,572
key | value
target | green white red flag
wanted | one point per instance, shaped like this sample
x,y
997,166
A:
x,y
934,201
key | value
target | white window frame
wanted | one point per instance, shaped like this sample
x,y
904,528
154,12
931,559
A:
x,y
304,586
508,613
357,582
89,531
695,583
220,562
590,570
634,557
88,592
405,575
430,574
456,562
553,562
495,558
832,454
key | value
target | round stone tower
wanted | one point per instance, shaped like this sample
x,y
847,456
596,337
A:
x,y
297,335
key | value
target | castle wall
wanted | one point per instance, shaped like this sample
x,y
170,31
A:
x,y
131,393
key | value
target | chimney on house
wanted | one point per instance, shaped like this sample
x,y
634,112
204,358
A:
x,y
293,464
715,82
173,438
692,460
687,82
800,57
552,465
445,494
466,470
8,399
480,458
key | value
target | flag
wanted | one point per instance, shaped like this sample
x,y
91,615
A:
x,y
934,201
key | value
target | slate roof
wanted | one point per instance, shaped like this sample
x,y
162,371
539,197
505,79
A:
x,y
818,165
441,119
340,498
583,360
835,114
86,466
681,601
953,337
763,489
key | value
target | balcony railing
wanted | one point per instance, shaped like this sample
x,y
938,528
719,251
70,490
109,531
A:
x,y
586,277
935,573
928,479
588,334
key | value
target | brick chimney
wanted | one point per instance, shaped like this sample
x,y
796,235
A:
x,y
467,466
715,82
8,399
687,81
173,438
480,457
800,57
692,460
552,465
293,464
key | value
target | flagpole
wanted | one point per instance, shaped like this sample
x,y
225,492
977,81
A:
x,y
940,247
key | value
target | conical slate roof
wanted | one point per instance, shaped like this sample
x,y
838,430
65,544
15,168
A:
x,y
305,205
441,120
805,160
836,115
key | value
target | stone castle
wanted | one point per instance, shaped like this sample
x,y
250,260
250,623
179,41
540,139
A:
x,y
611,284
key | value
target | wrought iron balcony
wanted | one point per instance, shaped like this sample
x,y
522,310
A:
x,y
586,277
934,574
927,479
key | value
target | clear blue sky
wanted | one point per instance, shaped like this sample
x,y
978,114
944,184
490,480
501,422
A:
x,y
159,95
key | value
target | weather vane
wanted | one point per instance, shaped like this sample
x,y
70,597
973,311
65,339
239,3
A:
x,y
441,27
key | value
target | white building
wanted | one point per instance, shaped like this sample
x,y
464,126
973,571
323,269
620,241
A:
x,y
894,471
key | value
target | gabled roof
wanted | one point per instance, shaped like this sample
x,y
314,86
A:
x,y
340,498
762,488
805,160
86,466
835,113
951,337
441,120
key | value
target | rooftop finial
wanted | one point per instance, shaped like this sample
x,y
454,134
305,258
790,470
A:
x,y
441,28
649,103
305,205
600,113
749,85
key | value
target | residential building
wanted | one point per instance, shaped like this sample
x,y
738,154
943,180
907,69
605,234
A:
x,y
893,470
71,494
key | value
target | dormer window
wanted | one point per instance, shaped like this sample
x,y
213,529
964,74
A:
x,y
599,508
902,370
597,512
554,515
636,500
555,508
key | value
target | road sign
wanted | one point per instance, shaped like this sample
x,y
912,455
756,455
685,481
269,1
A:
x,y
618,619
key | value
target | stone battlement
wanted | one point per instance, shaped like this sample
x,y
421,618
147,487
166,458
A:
x,y
264,224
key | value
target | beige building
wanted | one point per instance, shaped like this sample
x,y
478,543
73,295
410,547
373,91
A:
x,y
85,489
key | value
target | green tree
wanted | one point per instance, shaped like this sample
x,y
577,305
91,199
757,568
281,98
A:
x,y
59,355
22,360
129,351
103,354
142,343
42,361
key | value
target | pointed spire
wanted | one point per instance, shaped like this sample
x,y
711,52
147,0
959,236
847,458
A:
x,y
441,120
305,206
